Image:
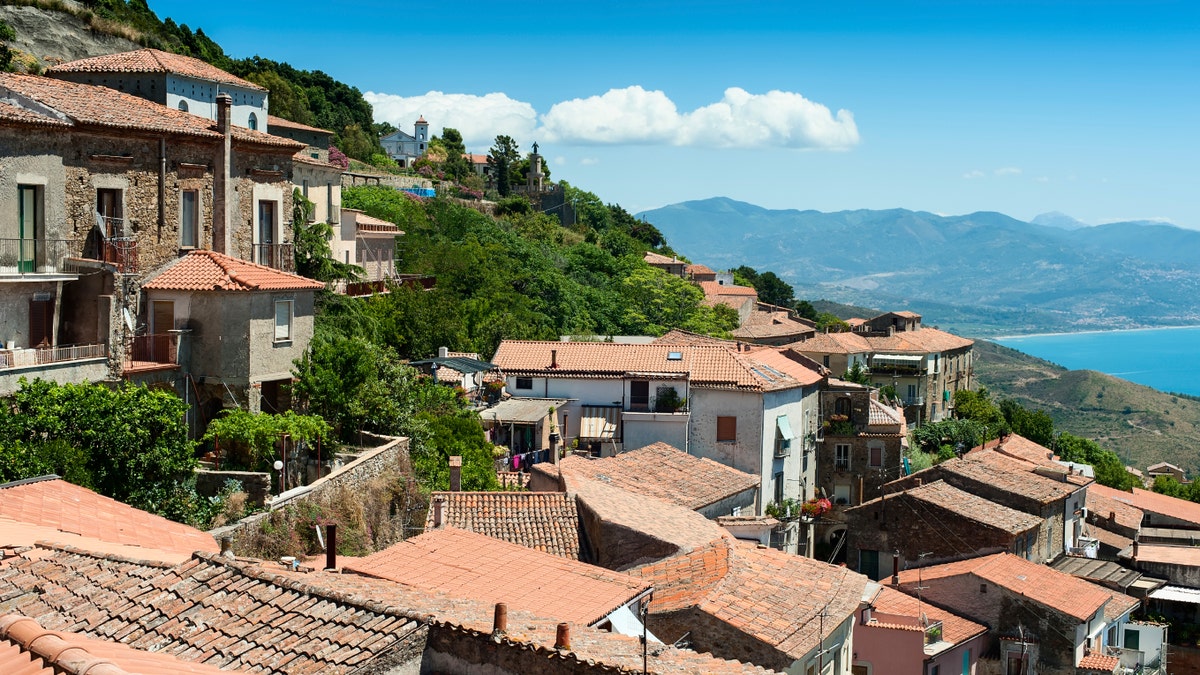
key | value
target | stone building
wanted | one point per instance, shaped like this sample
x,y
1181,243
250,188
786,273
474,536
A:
x,y
404,147
172,80
100,188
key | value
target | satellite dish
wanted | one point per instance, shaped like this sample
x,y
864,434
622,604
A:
x,y
278,465
128,319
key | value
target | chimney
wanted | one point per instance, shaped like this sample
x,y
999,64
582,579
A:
x,y
456,473
1112,516
919,481
891,331
222,209
331,548
439,506
443,352
553,358
500,622
1135,549
562,639
227,547
896,568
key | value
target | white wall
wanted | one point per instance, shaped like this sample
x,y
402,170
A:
x,y
201,99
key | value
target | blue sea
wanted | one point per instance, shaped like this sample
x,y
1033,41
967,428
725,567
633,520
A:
x,y
1167,359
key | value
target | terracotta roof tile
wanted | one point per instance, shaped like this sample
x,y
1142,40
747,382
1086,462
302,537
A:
x,y
922,341
1184,556
988,467
28,649
1099,663
717,366
700,269
715,289
498,571
662,471
1049,587
1103,501
955,629
770,324
543,521
969,506
882,415
60,101
653,258
152,61
59,505
273,121
832,343
1173,507
211,271
1019,447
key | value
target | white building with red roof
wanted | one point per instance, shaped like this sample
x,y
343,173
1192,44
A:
x,y
751,408
172,80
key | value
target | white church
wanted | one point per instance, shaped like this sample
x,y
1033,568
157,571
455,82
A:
x,y
404,147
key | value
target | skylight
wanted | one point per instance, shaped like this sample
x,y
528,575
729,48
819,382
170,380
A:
x,y
674,356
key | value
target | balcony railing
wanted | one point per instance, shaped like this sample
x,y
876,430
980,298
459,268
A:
x,y
120,252
279,256
36,356
34,256
149,351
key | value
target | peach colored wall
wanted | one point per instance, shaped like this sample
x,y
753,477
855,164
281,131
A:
x,y
888,650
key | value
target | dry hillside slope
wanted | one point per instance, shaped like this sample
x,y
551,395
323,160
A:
x,y
1142,425
55,37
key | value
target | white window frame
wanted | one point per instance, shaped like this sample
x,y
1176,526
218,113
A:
x,y
841,463
196,219
285,335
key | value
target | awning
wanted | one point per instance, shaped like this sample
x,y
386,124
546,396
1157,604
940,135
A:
x,y
899,359
521,410
462,364
785,427
1177,594
625,622
599,421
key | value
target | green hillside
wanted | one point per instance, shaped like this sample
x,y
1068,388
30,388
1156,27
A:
x,y
1142,425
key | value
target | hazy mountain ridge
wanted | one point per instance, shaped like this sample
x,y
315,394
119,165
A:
x,y
985,271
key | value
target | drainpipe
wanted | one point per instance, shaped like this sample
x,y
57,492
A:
x,y
221,175
162,183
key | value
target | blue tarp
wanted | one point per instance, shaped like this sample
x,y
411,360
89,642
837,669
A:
x,y
421,192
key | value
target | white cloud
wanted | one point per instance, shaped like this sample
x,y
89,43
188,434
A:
x,y
590,161
1008,171
630,116
634,115
973,174
1042,179
478,118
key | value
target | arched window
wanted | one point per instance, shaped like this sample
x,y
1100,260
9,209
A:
x,y
841,406
253,124
183,106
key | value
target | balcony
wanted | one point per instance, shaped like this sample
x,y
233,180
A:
x,y
279,256
35,256
40,356
151,352
120,252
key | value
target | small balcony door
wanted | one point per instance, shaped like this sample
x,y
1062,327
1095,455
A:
x,y
28,228
639,395
266,233
108,208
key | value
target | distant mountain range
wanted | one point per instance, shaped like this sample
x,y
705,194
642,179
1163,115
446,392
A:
x,y
982,273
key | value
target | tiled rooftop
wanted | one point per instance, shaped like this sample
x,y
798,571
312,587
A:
x,y
543,521
881,415
1153,502
84,104
28,649
921,341
56,505
662,471
273,121
202,270
257,616
653,258
1044,585
1103,572
1185,556
955,629
716,289
770,324
1019,447
1103,501
206,610
972,507
988,467
152,61
718,366
1097,662
463,564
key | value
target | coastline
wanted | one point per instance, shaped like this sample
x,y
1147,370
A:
x,y
997,338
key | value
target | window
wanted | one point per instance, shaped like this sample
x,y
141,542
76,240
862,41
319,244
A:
x,y
332,216
524,383
726,429
29,227
253,122
283,320
779,487
639,395
841,457
935,670
825,360
189,218
841,494
876,456
183,106
1132,639
109,212
912,393
842,406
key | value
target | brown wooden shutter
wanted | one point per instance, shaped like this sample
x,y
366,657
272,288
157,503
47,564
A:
x,y
41,322
726,429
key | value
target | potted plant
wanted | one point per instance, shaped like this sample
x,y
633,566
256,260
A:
x,y
815,508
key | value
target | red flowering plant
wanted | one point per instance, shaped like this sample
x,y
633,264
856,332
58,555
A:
x,y
815,508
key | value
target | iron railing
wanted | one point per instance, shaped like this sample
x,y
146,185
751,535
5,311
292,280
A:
x,y
279,256
17,358
120,252
156,348
34,256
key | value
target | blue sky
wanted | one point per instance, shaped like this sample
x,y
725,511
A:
x,y
1089,108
